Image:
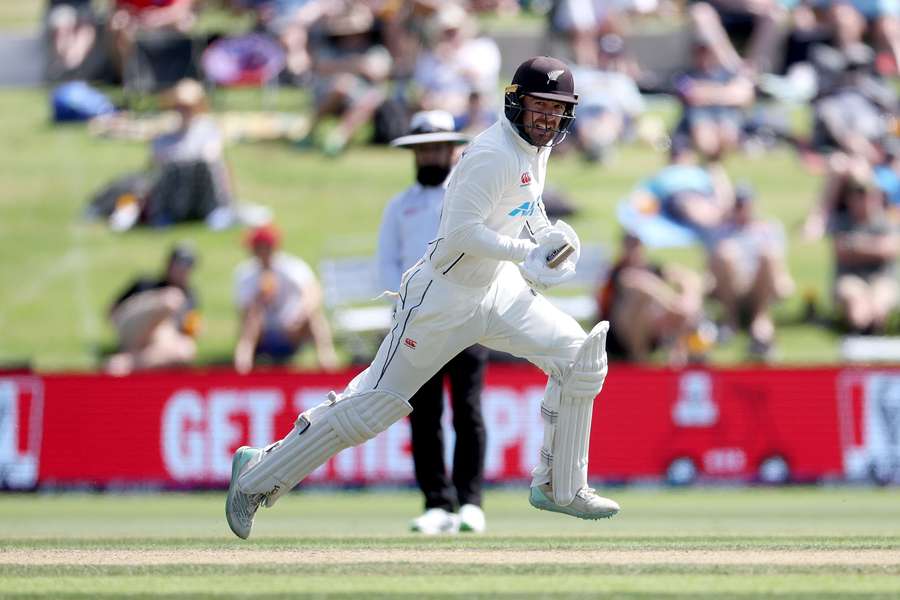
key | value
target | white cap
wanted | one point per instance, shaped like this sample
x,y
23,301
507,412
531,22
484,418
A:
x,y
431,126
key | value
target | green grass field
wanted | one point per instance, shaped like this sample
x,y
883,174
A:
x,y
712,543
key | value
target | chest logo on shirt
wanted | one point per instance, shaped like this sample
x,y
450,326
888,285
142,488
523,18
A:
x,y
525,178
526,209
410,343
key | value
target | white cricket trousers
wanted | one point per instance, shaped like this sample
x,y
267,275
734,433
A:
x,y
435,319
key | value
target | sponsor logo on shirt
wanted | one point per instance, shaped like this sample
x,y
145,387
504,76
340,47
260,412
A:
x,y
410,343
526,209
525,179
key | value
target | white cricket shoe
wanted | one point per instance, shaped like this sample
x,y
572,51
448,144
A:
x,y
471,518
240,508
435,521
588,504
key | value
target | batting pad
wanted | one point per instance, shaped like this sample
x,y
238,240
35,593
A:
x,y
567,410
319,433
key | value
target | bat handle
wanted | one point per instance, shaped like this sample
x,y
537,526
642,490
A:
x,y
557,256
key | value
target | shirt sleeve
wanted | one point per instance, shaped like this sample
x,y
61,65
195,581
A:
x,y
243,286
298,272
539,222
390,259
475,190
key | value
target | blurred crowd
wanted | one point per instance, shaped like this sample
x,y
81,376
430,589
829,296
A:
x,y
370,64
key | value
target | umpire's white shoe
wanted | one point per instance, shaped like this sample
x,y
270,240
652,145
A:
x,y
435,521
588,504
240,507
471,518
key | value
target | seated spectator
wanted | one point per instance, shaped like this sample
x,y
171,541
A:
x,y
713,98
582,23
751,23
609,101
71,28
849,115
747,260
197,137
650,307
866,246
842,173
480,114
289,22
349,74
455,65
129,18
855,21
280,304
188,177
403,26
686,193
156,318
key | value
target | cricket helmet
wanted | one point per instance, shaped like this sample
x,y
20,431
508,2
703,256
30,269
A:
x,y
542,77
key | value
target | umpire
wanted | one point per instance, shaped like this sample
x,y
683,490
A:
x,y
408,227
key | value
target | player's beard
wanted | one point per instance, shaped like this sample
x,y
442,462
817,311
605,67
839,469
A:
x,y
431,175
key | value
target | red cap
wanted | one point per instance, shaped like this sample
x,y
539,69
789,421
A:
x,y
267,235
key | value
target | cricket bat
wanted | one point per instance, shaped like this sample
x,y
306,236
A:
x,y
557,256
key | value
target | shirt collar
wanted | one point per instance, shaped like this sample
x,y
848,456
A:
x,y
512,132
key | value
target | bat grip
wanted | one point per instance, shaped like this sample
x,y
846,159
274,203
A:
x,y
557,256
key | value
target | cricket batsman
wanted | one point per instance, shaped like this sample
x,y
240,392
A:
x,y
477,283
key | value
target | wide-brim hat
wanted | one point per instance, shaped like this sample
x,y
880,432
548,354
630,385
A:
x,y
431,127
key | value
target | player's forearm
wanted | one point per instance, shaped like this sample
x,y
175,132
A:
x,y
862,249
478,240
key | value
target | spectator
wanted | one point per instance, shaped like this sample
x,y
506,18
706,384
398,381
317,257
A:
x,y
349,74
456,65
747,260
289,21
129,18
156,319
280,304
650,307
726,23
686,193
842,171
198,137
71,28
713,98
849,115
609,103
854,21
582,23
188,178
866,246
403,26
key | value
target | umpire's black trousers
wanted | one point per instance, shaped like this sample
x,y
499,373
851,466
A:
x,y
466,374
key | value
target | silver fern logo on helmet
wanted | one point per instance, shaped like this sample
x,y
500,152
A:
x,y
554,75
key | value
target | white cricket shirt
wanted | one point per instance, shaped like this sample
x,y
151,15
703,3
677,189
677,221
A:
x,y
492,195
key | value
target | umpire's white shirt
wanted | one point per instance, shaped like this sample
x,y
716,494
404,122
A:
x,y
492,195
409,223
